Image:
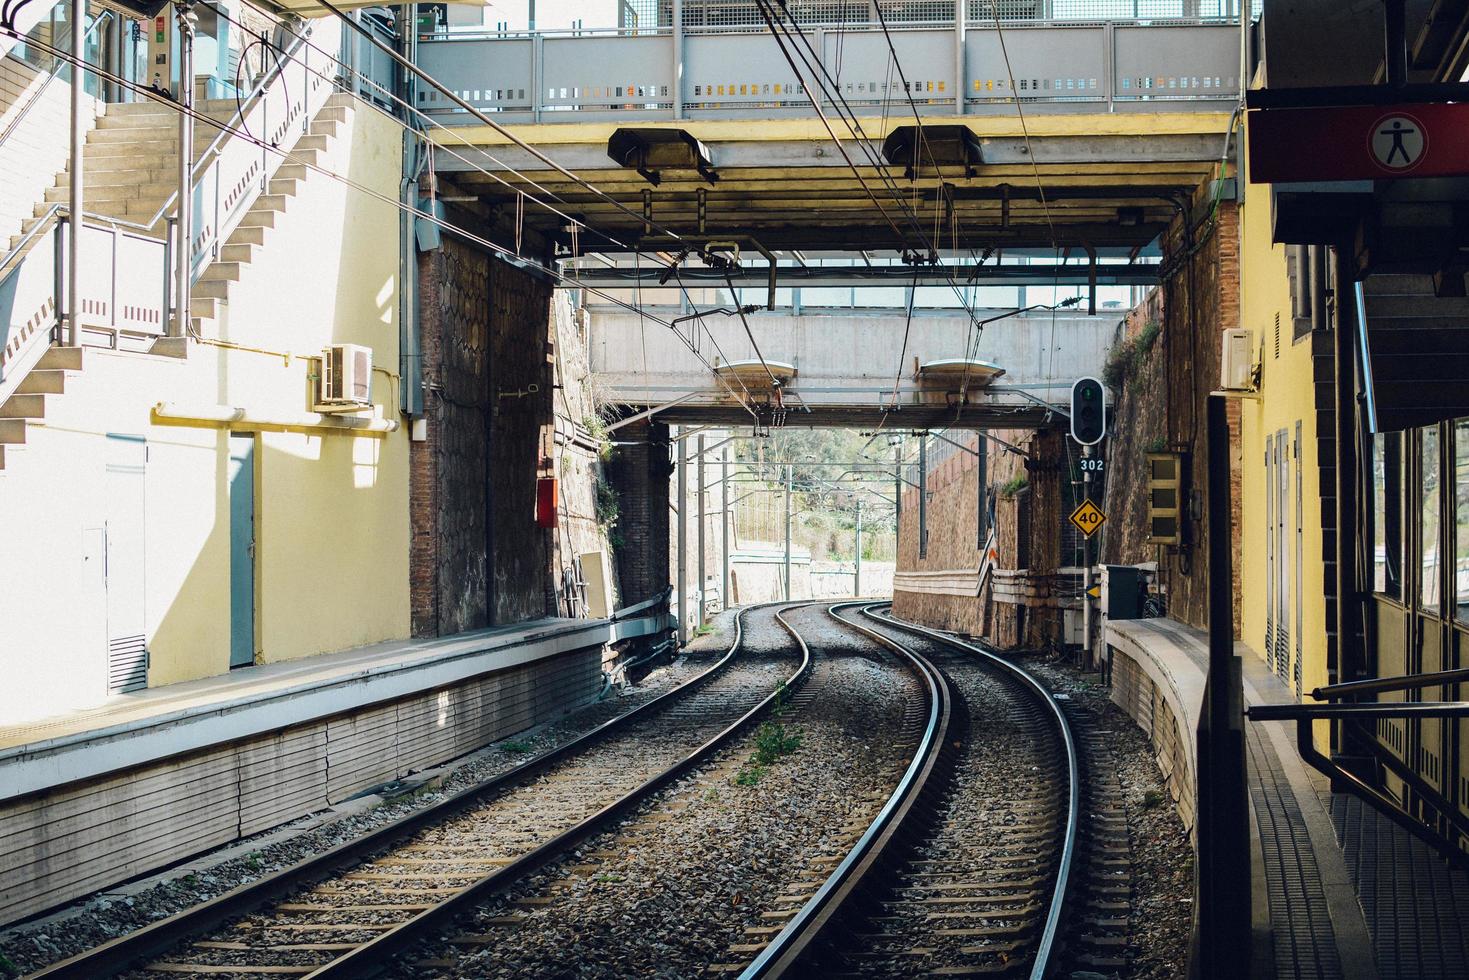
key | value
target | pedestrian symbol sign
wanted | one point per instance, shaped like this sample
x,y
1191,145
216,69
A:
x,y
1397,142
1088,518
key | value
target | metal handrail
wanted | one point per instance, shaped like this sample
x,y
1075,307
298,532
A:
x,y
1390,685
212,151
51,75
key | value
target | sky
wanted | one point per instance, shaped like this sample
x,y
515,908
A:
x,y
553,14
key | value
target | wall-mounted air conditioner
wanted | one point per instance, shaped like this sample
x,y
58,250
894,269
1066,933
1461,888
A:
x,y
345,380
1236,360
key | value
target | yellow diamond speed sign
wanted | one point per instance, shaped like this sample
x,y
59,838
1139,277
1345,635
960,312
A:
x,y
1087,518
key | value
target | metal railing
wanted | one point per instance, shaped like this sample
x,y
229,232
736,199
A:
x,y
51,73
128,264
740,73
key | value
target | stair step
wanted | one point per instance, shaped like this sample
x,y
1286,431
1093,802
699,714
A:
x,y
43,383
205,307
222,272
332,113
1412,306
247,236
284,186
294,171
24,407
2,458
313,141
237,252
12,432
211,289
257,218
324,127
61,359
270,202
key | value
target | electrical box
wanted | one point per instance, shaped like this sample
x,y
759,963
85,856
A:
x,y
548,501
598,577
1165,493
1121,591
1236,366
345,381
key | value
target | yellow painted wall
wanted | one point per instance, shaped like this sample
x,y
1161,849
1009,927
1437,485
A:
x,y
331,509
1287,394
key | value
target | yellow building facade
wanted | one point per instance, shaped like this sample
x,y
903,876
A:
x,y
211,543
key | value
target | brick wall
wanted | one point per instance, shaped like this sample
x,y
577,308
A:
x,y
476,554
639,473
1021,605
1164,406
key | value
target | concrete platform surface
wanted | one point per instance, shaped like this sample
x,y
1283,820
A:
x,y
153,724
1346,893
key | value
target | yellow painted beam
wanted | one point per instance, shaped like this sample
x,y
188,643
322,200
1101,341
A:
x,y
1040,126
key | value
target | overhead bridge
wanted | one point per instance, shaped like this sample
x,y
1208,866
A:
x,y
693,132
856,370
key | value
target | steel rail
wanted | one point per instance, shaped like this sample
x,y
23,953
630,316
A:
x,y
787,951
135,949
1047,944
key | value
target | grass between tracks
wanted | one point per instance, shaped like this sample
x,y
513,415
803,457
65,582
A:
x,y
772,742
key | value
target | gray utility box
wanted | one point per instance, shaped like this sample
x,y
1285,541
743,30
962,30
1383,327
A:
x,y
1121,596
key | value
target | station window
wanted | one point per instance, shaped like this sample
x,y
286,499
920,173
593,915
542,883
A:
x,y
1430,493
1387,522
1461,519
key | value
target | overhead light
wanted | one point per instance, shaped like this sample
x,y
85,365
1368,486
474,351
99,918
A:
x,y
652,151
928,146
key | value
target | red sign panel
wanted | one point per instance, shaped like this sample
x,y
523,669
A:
x,y
1359,142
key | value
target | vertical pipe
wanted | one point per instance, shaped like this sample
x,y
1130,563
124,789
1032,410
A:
x,y
923,495
857,556
724,530
183,247
960,72
677,90
683,536
788,534
702,576
897,487
74,199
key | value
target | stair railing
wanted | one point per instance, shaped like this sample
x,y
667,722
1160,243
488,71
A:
x,y
123,257
51,74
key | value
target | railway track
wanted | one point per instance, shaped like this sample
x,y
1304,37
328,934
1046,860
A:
x,y
966,869
348,911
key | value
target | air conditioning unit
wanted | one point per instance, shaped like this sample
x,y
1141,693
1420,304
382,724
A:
x,y
346,378
1236,365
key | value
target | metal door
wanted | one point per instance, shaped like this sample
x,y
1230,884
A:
x,y
242,549
124,564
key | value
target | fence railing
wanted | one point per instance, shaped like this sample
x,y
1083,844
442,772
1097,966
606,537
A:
x,y
724,73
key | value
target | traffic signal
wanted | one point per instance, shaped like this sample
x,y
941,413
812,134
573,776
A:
x,y
1088,411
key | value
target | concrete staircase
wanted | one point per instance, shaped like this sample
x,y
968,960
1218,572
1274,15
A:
x,y
133,182
212,290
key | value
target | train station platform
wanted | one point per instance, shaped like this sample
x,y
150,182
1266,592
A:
x,y
146,779
1347,893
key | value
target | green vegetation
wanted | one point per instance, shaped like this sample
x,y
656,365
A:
x,y
607,512
515,747
1151,799
772,741
1125,361
1014,485
749,776
1157,444
703,630
596,427
8,967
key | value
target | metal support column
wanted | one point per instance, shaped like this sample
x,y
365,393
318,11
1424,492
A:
x,y
897,486
74,200
1395,41
701,576
1086,569
982,479
183,254
683,536
923,495
788,533
676,89
857,555
1222,831
1350,663
725,519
